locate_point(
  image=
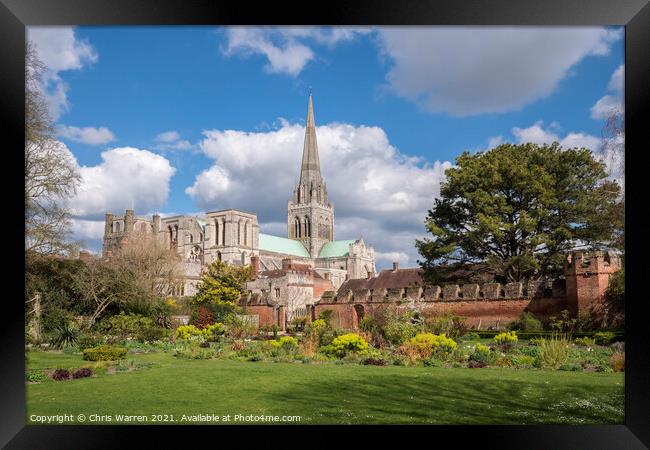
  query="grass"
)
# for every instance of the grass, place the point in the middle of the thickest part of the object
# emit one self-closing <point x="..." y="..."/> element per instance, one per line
<point x="329" y="393"/>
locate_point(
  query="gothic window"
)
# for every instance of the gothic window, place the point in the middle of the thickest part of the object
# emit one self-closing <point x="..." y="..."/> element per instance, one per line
<point x="216" y="231"/>
<point x="239" y="232"/>
<point x="243" y="258"/>
<point x="298" y="194"/>
<point x="307" y="227"/>
<point x="191" y="238"/>
<point x="277" y="292"/>
<point x="246" y="232"/>
<point x="296" y="225"/>
<point x="223" y="232"/>
<point x="117" y="227"/>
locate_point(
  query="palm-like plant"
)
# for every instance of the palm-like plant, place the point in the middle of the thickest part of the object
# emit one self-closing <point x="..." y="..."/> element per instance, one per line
<point x="65" y="335"/>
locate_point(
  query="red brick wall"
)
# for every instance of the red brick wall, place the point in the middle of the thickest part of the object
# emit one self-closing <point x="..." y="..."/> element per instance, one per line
<point x="482" y="312"/>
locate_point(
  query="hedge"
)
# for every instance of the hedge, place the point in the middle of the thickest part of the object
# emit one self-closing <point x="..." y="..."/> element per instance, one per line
<point x="104" y="353"/>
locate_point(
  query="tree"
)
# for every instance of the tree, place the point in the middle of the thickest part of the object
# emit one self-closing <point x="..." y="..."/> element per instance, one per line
<point x="615" y="299"/>
<point x="51" y="174"/>
<point x="105" y="285"/>
<point x="222" y="284"/>
<point x="154" y="265"/>
<point x="519" y="209"/>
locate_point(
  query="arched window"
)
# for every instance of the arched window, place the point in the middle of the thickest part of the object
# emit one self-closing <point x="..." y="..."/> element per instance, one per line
<point x="307" y="227"/>
<point x="219" y="256"/>
<point x="239" y="232"/>
<point x="216" y="232"/>
<point x="117" y="227"/>
<point x="223" y="232"/>
<point x="243" y="259"/>
<point x="171" y="237"/>
<point x="296" y="226"/>
<point x="246" y="225"/>
<point x="191" y="238"/>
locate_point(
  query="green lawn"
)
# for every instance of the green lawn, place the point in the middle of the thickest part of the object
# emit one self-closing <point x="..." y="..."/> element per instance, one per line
<point x="329" y="393"/>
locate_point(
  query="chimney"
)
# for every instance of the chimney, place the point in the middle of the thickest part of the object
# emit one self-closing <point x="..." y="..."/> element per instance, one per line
<point x="255" y="263"/>
<point x="395" y="266"/>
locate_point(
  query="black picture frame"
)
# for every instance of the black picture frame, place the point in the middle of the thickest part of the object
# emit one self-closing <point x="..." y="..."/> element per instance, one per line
<point x="15" y="15"/>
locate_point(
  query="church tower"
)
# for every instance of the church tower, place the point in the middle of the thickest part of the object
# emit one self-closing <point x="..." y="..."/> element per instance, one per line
<point x="310" y="216"/>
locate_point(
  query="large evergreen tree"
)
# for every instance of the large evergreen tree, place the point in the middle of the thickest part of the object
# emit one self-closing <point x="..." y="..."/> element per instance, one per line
<point x="520" y="208"/>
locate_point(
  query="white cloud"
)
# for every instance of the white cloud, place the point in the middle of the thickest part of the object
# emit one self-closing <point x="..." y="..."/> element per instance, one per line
<point x="617" y="82"/>
<point x="86" y="135"/>
<point x="59" y="50"/>
<point x="127" y="177"/>
<point x="286" y="49"/>
<point x="537" y="134"/>
<point x="466" y="71"/>
<point x="377" y="191"/>
<point x="168" y="136"/>
<point x="611" y="104"/>
<point x="171" y="140"/>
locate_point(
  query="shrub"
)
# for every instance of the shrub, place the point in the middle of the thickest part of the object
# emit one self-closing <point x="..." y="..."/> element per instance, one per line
<point x="36" y="376"/>
<point x="104" y="353"/>
<point x="585" y="341"/>
<point x="209" y="333"/>
<point x="266" y="329"/>
<point x="471" y="336"/>
<point x="604" y="337"/>
<point x="239" y="328"/>
<point x="523" y="361"/>
<point x="298" y="324"/>
<point x="481" y="354"/>
<point x="399" y="328"/>
<point x="326" y="315"/>
<point x="506" y="340"/>
<point x="82" y="373"/>
<point x="287" y="343"/>
<point x="203" y="317"/>
<point x="347" y="343"/>
<point x="553" y="353"/>
<point x="238" y="346"/>
<point x="618" y="361"/>
<point x="503" y="361"/>
<point x="204" y="345"/>
<point x="476" y="364"/>
<point x="526" y="322"/>
<point x="89" y="340"/>
<point x="65" y="335"/>
<point x="61" y="374"/>
<point x="450" y="325"/>
<point x="374" y="362"/>
<point x="428" y="345"/>
<point x="570" y="368"/>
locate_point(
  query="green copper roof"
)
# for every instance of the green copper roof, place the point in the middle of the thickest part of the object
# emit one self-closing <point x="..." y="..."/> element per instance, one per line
<point x="282" y="245"/>
<point x="335" y="248"/>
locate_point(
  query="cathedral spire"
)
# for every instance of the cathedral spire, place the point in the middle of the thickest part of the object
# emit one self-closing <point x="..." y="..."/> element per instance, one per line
<point x="310" y="169"/>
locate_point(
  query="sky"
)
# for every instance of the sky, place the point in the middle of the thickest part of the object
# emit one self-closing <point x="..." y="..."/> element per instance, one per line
<point x="182" y="120"/>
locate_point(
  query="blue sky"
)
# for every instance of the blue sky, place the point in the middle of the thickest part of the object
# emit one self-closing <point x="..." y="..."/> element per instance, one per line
<point x="189" y="119"/>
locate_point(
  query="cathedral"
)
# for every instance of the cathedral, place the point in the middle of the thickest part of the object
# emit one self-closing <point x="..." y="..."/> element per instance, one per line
<point x="233" y="236"/>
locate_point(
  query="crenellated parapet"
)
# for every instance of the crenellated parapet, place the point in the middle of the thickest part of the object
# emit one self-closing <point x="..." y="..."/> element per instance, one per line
<point x="450" y="293"/>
